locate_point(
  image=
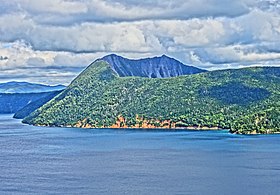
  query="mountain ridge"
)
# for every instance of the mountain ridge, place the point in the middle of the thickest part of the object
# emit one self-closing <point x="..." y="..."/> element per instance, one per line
<point x="154" y="67"/>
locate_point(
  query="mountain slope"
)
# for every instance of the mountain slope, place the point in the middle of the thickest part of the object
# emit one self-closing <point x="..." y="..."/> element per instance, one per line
<point x="157" y="67"/>
<point x="24" y="87"/>
<point x="33" y="105"/>
<point x="98" y="97"/>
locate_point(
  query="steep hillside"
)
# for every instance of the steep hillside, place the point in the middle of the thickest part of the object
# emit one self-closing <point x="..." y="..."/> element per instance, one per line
<point x="33" y="105"/>
<point x="157" y="67"/>
<point x="244" y="101"/>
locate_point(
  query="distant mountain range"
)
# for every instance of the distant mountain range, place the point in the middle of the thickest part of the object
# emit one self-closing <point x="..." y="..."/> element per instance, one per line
<point x="32" y="104"/>
<point x="13" y="102"/>
<point x="16" y="95"/>
<point x="157" y="67"/>
<point x="114" y="92"/>
<point x="24" y="87"/>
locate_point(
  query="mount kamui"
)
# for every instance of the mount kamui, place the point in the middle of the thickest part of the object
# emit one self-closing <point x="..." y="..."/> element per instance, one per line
<point x="156" y="67"/>
<point x="115" y="95"/>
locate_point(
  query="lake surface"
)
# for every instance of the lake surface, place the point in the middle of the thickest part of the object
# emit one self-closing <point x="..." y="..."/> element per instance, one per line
<point x="40" y="160"/>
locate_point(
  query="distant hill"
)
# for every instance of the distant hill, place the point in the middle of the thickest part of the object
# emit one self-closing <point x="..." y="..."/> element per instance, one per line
<point x="16" y="95"/>
<point x="24" y="87"/>
<point x="11" y="103"/>
<point x="33" y="105"/>
<point x="157" y="67"/>
<point x="244" y="100"/>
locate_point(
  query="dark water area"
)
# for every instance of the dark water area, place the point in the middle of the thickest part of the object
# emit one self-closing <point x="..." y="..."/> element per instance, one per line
<point x="40" y="160"/>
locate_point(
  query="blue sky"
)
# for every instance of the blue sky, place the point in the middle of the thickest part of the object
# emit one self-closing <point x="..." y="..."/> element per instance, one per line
<point x="51" y="41"/>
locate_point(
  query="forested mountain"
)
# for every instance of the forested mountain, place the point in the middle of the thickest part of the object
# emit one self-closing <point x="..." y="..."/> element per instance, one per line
<point x="25" y="87"/>
<point x="157" y="67"/>
<point x="244" y="101"/>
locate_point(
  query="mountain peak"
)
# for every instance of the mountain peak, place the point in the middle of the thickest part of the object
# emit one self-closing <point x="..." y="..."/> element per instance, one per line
<point x="156" y="67"/>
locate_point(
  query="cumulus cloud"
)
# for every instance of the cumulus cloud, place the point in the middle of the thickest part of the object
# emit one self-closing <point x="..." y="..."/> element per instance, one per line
<point x="35" y="61"/>
<point x="68" y="12"/>
<point x="58" y="38"/>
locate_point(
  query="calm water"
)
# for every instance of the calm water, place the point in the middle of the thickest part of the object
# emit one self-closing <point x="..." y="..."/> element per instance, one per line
<point x="37" y="160"/>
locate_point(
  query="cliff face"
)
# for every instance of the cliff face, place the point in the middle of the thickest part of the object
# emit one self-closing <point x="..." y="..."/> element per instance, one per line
<point x="157" y="67"/>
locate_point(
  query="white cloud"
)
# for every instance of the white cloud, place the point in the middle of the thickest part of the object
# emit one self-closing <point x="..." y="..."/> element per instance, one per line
<point x="75" y="11"/>
<point x="62" y="7"/>
<point x="61" y="37"/>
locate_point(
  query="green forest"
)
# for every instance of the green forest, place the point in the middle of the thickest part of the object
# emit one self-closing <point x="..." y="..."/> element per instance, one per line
<point x="241" y="100"/>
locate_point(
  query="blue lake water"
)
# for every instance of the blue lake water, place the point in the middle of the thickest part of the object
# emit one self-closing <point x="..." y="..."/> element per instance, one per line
<point x="40" y="160"/>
